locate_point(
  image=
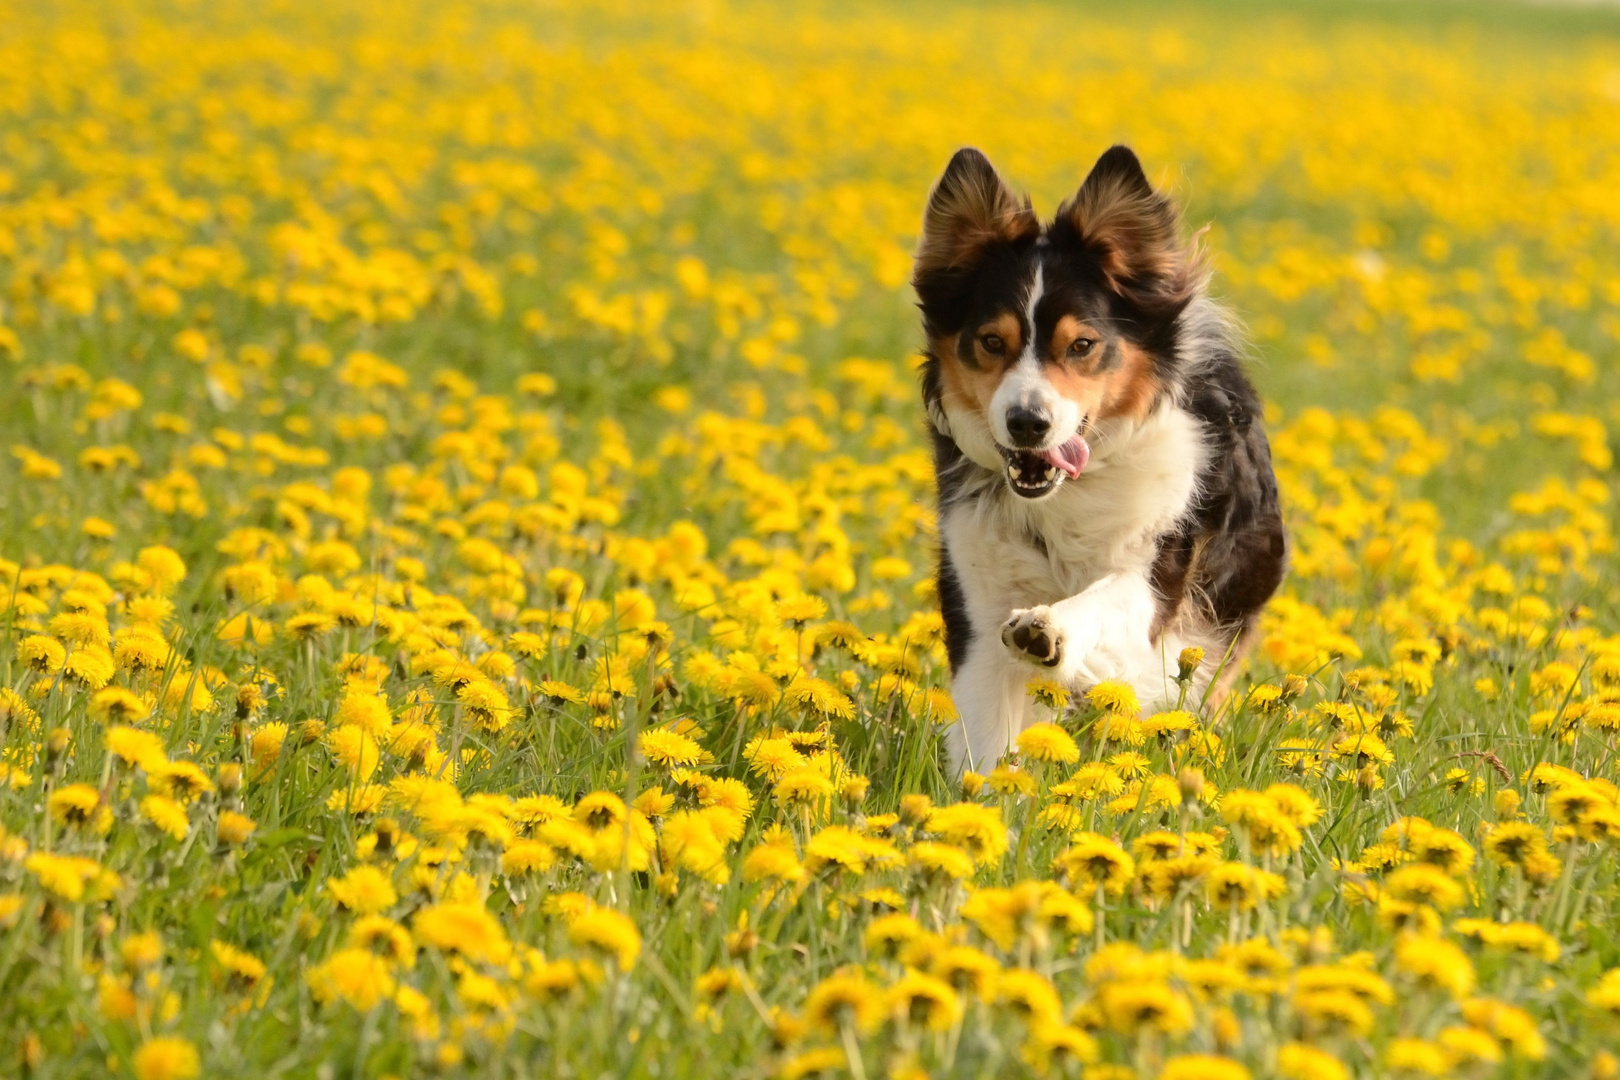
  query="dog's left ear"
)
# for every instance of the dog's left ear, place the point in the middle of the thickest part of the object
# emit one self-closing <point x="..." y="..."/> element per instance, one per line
<point x="1134" y="233"/>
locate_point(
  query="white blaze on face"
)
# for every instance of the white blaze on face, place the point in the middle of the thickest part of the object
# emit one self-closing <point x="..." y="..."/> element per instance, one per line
<point x="1025" y="385"/>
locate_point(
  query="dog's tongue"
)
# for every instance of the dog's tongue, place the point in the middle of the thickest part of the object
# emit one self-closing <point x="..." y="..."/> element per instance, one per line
<point x="1071" y="457"/>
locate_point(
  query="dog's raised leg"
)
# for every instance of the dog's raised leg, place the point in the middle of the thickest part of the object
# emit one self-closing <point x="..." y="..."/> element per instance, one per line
<point x="1098" y="635"/>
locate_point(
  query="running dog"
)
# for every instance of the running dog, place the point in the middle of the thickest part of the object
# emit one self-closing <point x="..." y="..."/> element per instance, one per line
<point x="1106" y="496"/>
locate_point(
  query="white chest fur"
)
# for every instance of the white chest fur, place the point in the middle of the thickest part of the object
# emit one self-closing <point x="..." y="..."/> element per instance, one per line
<point x="1077" y="563"/>
<point x="1012" y="553"/>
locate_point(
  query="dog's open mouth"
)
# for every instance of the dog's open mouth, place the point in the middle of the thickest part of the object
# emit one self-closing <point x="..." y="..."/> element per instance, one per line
<point x="1033" y="473"/>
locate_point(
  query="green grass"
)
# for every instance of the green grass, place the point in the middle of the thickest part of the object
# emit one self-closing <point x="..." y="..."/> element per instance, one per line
<point x="1385" y="184"/>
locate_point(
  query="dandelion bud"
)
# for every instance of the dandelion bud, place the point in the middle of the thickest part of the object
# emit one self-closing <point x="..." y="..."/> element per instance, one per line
<point x="786" y="1029"/>
<point x="230" y="779"/>
<point x="1314" y="945"/>
<point x="53" y="919"/>
<point x="853" y="791"/>
<point x="1187" y="663"/>
<point x="1367" y="779"/>
<point x="1507" y="803"/>
<point x="387" y="830"/>
<point x="1293" y="686"/>
<point x="311" y="732"/>
<point x="249" y="699"/>
<point x="56" y="745"/>
<point x="104" y="926"/>
<point x="972" y="784"/>
<point x="419" y="754"/>
<point x="740" y="943"/>
<point x="1191" y="783"/>
<point x="33" y="1051"/>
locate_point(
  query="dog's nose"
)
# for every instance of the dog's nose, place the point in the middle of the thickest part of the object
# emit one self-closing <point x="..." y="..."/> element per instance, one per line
<point x="1028" y="427"/>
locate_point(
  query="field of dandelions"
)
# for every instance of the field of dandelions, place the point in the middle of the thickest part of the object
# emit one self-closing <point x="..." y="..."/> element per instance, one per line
<point x="466" y="548"/>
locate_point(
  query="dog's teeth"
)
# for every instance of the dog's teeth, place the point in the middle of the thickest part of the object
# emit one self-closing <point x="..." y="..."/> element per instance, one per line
<point x="1051" y="472"/>
<point x="1015" y="471"/>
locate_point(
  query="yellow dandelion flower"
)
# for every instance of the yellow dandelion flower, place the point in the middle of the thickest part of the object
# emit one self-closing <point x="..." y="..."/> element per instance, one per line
<point x="167" y="815"/>
<point x="67" y="876"/>
<point x="1203" y="1067"/>
<point x="463" y="927"/>
<point x="1060" y="1046"/>
<point x="1405" y="1054"/>
<point x="611" y="932"/>
<point x="1114" y="697"/>
<point x="182" y="781"/>
<point x="1046" y="742"/>
<point x="667" y="748"/>
<point x="364" y="890"/>
<point x="166" y="1057"/>
<point x="1149" y="1004"/>
<point x="1436" y="963"/>
<point x="844" y="998"/>
<point x="356" y="975"/>
<point x="235" y="828"/>
<point x="976" y="829"/>
<point x="939" y="861"/>
<point x="924" y="1001"/>
<point x="1299" y="1061"/>
<point x="1093" y="861"/>
<point x="242" y="970"/>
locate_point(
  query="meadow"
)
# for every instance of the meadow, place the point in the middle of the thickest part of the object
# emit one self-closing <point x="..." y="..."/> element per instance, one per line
<point x="466" y="550"/>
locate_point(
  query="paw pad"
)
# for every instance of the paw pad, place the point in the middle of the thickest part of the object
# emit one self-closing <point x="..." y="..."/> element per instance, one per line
<point x="1030" y="635"/>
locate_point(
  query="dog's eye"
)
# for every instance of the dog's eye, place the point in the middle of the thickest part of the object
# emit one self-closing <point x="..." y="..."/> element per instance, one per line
<point x="1081" y="346"/>
<point x="993" y="344"/>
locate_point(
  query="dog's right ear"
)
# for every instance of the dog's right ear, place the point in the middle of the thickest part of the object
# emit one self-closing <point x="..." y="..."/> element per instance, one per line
<point x="971" y="207"/>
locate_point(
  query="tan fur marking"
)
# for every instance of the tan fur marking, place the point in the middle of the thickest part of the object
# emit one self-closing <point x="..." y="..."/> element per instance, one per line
<point x="1137" y="385"/>
<point x="1128" y="390"/>
<point x="963" y="387"/>
<point x="1007" y="327"/>
<point x="1069" y="328"/>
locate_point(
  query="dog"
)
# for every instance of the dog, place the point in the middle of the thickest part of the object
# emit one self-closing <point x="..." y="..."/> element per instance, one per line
<point x="1105" y="490"/>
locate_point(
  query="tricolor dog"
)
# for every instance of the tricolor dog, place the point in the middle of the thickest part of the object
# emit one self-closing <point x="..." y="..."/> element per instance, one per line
<point x="1106" y="496"/>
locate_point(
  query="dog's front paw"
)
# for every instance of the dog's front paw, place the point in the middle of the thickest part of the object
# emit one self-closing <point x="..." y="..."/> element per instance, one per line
<point x="1032" y="635"/>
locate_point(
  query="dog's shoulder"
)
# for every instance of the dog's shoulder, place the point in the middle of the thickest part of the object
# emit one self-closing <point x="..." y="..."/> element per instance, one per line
<point x="1237" y="487"/>
<point x="1231" y="547"/>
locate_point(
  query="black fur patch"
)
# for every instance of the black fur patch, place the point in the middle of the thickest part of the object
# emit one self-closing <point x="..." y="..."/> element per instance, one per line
<point x="953" y="607"/>
<point x="963" y="299"/>
<point x="951" y="466"/>
<point x="1110" y="358"/>
<point x="1230" y="553"/>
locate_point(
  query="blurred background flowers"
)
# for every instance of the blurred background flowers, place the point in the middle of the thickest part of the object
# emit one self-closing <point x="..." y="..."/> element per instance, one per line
<point x="466" y="549"/>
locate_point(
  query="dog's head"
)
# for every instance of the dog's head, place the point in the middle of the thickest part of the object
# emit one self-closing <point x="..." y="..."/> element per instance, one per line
<point x="1039" y="333"/>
